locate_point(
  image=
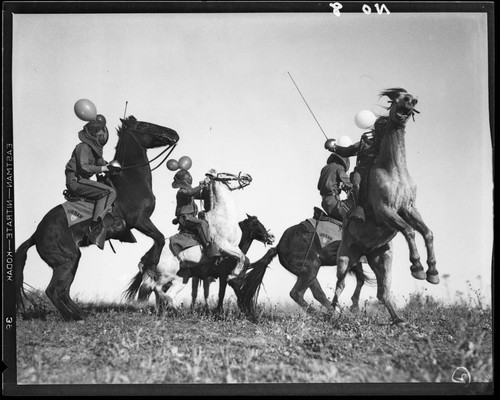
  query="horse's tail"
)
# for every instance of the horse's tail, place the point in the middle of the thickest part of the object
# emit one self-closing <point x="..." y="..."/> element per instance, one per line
<point x="147" y="286"/>
<point x="251" y="282"/>
<point x="140" y="286"/>
<point x="357" y="270"/>
<point x="19" y="262"/>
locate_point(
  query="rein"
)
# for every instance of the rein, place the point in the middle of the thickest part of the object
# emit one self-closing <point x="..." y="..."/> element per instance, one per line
<point x="171" y="147"/>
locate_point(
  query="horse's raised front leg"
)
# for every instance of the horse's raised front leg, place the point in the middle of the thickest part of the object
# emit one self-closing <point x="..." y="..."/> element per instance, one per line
<point x="380" y="261"/>
<point x="415" y="220"/>
<point x="152" y="256"/>
<point x="388" y="216"/>
<point x="237" y="254"/>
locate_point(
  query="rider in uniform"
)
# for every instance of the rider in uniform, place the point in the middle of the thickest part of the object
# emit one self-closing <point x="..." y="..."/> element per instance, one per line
<point x="332" y="180"/>
<point x="366" y="151"/>
<point x="87" y="160"/>
<point x="186" y="210"/>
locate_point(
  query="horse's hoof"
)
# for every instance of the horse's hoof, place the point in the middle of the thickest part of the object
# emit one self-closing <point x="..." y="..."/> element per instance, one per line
<point x="434" y="279"/>
<point x="397" y="321"/>
<point x="420" y="274"/>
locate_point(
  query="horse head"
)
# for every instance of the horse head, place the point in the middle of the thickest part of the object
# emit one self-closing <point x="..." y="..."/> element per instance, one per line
<point x="148" y="135"/>
<point x="231" y="181"/>
<point x="257" y="230"/>
<point x="402" y="105"/>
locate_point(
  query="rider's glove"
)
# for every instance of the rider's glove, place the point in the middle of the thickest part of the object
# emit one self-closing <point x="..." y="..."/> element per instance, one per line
<point x="114" y="166"/>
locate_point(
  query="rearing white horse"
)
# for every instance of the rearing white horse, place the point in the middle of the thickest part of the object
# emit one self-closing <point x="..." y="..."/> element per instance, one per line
<point x="169" y="278"/>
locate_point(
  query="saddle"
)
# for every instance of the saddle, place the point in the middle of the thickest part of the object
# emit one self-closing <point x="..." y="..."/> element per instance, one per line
<point x="79" y="209"/>
<point x="320" y="215"/>
<point x="73" y="197"/>
<point x="327" y="230"/>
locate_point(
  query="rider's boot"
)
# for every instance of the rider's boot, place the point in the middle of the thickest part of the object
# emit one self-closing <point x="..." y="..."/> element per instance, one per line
<point x="210" y="249"/>
<point x="97" y="233"/>
<point x="358" y="212"/>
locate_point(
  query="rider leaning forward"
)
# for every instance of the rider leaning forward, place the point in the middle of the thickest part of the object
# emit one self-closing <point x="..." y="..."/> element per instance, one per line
<point x="366" y="151"/>
<point x="87" y="160"/>
<point x="332" y="180"/>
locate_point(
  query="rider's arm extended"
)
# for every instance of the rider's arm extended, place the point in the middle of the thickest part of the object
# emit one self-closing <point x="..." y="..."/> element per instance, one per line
<point x="348" y="151"/>
<point x="196" y="192"/>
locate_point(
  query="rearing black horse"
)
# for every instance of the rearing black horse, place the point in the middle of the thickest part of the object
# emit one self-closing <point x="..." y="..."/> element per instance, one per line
<point x="59" y="245"/>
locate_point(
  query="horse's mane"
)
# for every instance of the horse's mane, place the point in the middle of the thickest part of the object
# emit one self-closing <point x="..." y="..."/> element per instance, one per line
<point x="392" y="93"/>
<point x="123" y="126"/>
<point x="222" y="216"/>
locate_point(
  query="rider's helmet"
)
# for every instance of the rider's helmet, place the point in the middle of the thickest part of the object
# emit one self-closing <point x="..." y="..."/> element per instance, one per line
<point x="181" y="178"/>
<point x="97" y="129"/>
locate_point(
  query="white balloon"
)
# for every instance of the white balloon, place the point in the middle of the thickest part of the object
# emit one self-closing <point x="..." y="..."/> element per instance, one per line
<point x="344" y="141"/>
<point x="365" y="119"/>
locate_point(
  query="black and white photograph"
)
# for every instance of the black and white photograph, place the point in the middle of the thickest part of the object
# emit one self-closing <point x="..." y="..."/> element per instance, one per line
<point x="248" y="198"/>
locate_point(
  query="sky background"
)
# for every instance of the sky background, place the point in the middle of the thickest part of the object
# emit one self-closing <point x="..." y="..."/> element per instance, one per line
<point x="220" y="80"/>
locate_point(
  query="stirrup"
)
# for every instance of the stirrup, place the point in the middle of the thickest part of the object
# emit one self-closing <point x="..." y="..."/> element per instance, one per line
<point x="97" y="235"/>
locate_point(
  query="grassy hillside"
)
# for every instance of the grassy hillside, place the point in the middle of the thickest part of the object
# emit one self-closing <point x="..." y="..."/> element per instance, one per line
<point x="129" y="345"/>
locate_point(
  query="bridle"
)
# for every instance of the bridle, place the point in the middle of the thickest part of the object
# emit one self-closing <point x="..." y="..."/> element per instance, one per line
<point x="243" y="179"/>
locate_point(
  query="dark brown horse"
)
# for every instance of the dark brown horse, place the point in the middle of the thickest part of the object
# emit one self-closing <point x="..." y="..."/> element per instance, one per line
<point x="59" y="245"/>
<point x="389" y="206"/>
<point x="301" y="253"/>
<point x="251" y="229"/>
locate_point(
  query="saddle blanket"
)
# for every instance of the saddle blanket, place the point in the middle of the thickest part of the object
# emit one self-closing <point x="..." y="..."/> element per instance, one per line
<point x="77" y="211"/>
<point x="326" y="231"/>
<point x="182" y="241"/>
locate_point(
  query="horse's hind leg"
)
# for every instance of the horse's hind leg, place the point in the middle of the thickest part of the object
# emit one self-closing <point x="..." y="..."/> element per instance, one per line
<point x="306" y="278"/>
<point x="360" y="281"/>
<point x="59" y="287"/>
<point x="206" y="289"/>
<point x="343" y="260"/>
<point x="320" y="295"/>
<point x="342" y="265"/>
<point x="416" y="221"/>
<point x="381" y="263"/>
<point x="222" y="292"/>
<point x="194" y="290"/>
